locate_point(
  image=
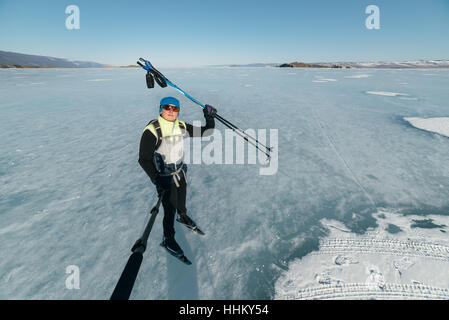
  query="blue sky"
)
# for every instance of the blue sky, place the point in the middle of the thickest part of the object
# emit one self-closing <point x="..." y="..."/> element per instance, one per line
<point x="195" y="33"/>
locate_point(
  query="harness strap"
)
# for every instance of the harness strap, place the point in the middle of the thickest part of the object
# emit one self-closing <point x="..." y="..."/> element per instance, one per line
<point x="182" y="125"/>
<point x="158" y="129"/>
<point x="176" y="177"/>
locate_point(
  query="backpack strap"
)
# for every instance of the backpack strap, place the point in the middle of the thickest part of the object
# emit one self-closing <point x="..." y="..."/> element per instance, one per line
<point x="157" y="128"/>
<point x="182" y="125"/>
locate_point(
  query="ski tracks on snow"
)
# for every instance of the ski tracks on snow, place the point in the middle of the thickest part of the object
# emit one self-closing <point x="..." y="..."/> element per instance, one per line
<point x="370" y="291"/>
<point x="379" y="289"/>
<point x="384" y="246"/>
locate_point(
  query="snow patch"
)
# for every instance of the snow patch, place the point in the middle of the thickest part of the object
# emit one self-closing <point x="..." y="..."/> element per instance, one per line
<point x="386" y="93"/>
<point x="321" y="79"/>
<point x="99" y="80"/>
<point x="358" y="76"/>
<point x="411" y="264"/>
<point x="437" y="125"/>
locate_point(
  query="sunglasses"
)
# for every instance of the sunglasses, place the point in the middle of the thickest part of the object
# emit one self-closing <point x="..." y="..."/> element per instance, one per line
<point x="168" y="107"/>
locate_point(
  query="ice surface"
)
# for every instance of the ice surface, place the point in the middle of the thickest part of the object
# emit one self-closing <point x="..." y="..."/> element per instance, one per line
<point x="72" y="192"/>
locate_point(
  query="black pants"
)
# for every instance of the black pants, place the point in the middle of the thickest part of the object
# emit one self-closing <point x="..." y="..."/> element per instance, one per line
<point x="174" y="200"/>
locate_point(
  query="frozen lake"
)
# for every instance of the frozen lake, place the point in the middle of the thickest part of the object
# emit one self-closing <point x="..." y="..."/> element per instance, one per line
<point x="72" y="192"/>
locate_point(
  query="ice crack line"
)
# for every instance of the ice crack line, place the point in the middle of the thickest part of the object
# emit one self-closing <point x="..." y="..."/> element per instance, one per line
<point x="348" y="168"/>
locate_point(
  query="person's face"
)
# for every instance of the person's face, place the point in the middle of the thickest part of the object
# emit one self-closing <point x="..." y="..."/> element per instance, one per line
<point x="169" y="115"/>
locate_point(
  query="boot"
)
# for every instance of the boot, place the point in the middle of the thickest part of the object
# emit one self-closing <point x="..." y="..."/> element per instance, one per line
<point x="170" y="244"/>
<point x="185" y="219"/>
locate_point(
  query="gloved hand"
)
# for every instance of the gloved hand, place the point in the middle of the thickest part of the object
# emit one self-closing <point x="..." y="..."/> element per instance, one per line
<point x="209" y="111"/>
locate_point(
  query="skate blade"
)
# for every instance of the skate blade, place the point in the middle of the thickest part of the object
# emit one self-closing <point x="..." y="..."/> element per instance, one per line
<point x="181" y="257"/>
<point x="194" y="229"/>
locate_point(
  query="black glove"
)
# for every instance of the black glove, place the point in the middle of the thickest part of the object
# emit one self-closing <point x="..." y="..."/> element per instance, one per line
<point x="209" y="112"/>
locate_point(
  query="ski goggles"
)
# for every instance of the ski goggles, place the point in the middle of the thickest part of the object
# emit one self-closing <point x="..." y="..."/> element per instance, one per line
<point x="170" y="107"/>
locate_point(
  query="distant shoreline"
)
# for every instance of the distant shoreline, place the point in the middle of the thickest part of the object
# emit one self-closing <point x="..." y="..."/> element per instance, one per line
<point x="309" y="65"/>
<point x="295" y="64"/>
<point x="285" y="65"/>
<point x="419" y="64"/>
<point x="15" y="60"/>
<point x="17" y="66"/>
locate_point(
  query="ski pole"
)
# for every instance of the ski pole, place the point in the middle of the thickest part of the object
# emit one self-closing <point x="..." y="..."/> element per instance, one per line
<point x="150" y="68"/>
<point x="125" y="284"/>
<point x="223" y="120"/>
<point x="250" y="142"/>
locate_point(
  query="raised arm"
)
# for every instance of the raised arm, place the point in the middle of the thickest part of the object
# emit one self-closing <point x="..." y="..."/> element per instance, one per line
<point x="209" y="113"/>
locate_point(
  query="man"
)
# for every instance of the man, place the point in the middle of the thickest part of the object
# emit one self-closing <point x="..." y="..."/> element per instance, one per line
<point x="161" y="156"/>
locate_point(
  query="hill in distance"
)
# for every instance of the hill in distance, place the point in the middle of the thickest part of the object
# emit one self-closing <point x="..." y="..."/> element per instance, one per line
<point x="20" y="60"/>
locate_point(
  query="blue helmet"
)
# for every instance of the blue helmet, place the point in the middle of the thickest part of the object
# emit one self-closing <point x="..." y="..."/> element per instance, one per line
<point x="169" y="100"/>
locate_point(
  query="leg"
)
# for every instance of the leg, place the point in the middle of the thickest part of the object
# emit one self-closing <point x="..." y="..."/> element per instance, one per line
<point x="181" y="205"/>
<point x="181" y="197"/>
<point x="169" y="241"/>
<point x="169" y="214"/>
